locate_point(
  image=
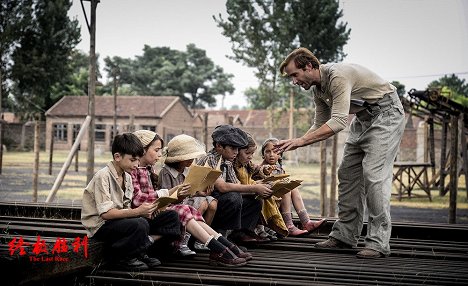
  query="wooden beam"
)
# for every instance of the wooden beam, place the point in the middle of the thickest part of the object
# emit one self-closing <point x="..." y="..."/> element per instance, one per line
<point x="453" y="184"/>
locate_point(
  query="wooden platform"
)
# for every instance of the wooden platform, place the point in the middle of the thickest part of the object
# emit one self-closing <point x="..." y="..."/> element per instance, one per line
<point x="424" y="254"/>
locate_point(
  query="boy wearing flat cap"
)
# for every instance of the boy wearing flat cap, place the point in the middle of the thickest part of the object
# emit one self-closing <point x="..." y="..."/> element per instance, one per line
<point x="238" y="210"/>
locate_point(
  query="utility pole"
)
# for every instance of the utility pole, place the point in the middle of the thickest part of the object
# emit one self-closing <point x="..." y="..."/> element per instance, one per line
<point x="91" y="90"/>
<point x="115" y="74"/>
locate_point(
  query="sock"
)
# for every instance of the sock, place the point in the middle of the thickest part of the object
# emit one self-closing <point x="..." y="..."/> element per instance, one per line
<point x="229" y="245"/>
<point x="217" y="247"/>
<point x="186" y="238"/>
<point x="303" y="216"/>
<point x="287" y="217"/>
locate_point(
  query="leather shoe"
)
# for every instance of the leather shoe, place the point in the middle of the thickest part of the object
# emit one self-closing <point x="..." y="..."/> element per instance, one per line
<point x="367" y="253"/>
<point x="184" y="251"/>
<point x="332" y="243"/>
<point x="314" y="225"/>
<point x="150" y="261"/>
<point x="229" y="260"/>
<point x="294" y="231"/>
<point x="241" y="254"/>
<point x="132" y="264"/>
<point x="241" y="237"/>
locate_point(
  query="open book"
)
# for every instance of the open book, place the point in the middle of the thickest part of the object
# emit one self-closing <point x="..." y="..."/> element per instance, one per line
<point x="200" y="178"/>
<point x="273" y="178"/>
<point x="165" y="201"/>
<point x="285" y="186"/>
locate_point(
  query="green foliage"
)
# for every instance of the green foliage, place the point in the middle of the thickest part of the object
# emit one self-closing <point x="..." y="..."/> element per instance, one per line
<point x="262" y="33"/>
<point x="14" y="18"/>
<point x="163" y="71"/>
<point x="39" y="61"/>
<point x="453" y="88"/>
<point x="400" y="87"/>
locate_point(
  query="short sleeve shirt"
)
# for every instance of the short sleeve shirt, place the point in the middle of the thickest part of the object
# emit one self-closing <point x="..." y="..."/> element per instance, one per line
<point x="102" y="194"/>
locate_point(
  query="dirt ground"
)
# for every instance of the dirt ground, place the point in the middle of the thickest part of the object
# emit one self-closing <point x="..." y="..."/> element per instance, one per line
<point x="14" y="182"/>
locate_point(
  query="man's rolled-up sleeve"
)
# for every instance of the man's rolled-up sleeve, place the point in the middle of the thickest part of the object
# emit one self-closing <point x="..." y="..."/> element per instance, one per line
<point x="340" y="89"/>
<point x="102" y="196"/>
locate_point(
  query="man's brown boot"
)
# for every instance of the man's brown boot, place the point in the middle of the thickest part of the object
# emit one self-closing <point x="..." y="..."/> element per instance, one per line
<point x="369" y="254"/>
<point x="332" y="243"/>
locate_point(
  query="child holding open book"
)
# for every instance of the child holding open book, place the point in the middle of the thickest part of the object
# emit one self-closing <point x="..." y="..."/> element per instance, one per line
<point x="222" y="251"/>
<point x="179" y="156"/>
<point x="271" y="165"/>
<point x="270" y="214"/>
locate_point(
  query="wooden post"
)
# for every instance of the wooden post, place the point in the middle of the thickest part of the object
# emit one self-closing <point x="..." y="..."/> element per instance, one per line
<point x="91" y="92"/>
<point x="464" y="151"/>
<point x="205" y="130"/>
<point x="36" y="157"/>
<point x="76" y="160"/>
<point x="323" y="178"/>
<point x="115" y="73"/>
<point x="1" y="125"/>
<point x="51" y="150"/>
<point x="333" y="177"/>
<point x="291" y="121"/>
<point x="443" y="157"/>
<point x="66" y="164"/>
<point x="431" y="146"/>
<point x="453" y="184"/>
<point x="426" y="140"/>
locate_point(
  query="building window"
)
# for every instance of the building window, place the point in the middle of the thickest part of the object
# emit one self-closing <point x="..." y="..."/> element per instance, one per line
<point x="60" y="132"/>
<point x="100" y="133"/>
<point x="76" y="130"/>
<point x="149" y="127"/>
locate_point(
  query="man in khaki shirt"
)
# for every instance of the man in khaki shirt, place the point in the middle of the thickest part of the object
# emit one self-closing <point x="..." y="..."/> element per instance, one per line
<point x="365" y="173"/>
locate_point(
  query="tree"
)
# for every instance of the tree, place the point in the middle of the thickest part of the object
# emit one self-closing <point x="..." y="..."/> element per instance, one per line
<point x="14" y="18"/>
<point x="262" y="33"/>
<point x="40" y="60"/>
<point x="400" y="87"/>
<point x="190" y="75"/>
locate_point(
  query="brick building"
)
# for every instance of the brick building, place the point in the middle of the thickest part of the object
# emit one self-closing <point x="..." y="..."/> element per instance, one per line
<point x="166" y="115"/>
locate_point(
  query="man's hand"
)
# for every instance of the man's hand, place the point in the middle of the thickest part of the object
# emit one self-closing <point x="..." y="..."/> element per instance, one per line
<point x="288" y="145"/>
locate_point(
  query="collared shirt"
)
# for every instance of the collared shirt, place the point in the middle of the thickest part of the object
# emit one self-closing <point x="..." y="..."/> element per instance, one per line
<point x="102" y="194"/>
<point x="143" y="190"/>
<point x="212" y="158"/>
<point x="341" y="82"/>
<point x="170" y="177"/>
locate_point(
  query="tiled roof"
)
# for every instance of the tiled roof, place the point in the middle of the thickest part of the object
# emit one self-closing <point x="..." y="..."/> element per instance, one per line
<point x="151" y="106"/>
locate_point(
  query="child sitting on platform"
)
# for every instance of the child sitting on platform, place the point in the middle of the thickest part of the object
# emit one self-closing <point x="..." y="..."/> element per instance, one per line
<point x="271" y="165"/>
<point x="222" y="251"/>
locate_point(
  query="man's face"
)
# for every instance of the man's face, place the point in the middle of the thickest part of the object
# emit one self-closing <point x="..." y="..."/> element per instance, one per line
<point x="229" y="153"/>
<point x="301" y="77"/>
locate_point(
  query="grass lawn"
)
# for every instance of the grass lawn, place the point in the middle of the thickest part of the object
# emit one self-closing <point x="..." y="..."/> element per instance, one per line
<point x="18" y="167"/>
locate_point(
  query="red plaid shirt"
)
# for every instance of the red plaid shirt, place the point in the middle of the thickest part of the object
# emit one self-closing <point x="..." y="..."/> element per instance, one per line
<point x="143" y="190"/>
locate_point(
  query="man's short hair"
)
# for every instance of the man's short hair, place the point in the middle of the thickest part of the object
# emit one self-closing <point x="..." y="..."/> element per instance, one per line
<point x="301" y="57"/>
<point x="127" y="143"/>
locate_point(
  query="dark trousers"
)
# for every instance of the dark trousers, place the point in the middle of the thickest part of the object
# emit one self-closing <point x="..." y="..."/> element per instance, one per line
<point x="236" y="211"/>
<point x="166" y="224"/>
<point x="124" y="238"/>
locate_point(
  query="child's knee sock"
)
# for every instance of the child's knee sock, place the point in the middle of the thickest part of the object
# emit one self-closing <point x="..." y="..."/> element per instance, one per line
<point x="303" y="216"/>
<point x="287" y="217"/>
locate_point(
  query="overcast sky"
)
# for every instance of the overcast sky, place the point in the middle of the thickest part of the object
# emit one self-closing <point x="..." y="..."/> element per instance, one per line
<point x="412" y="41"/>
